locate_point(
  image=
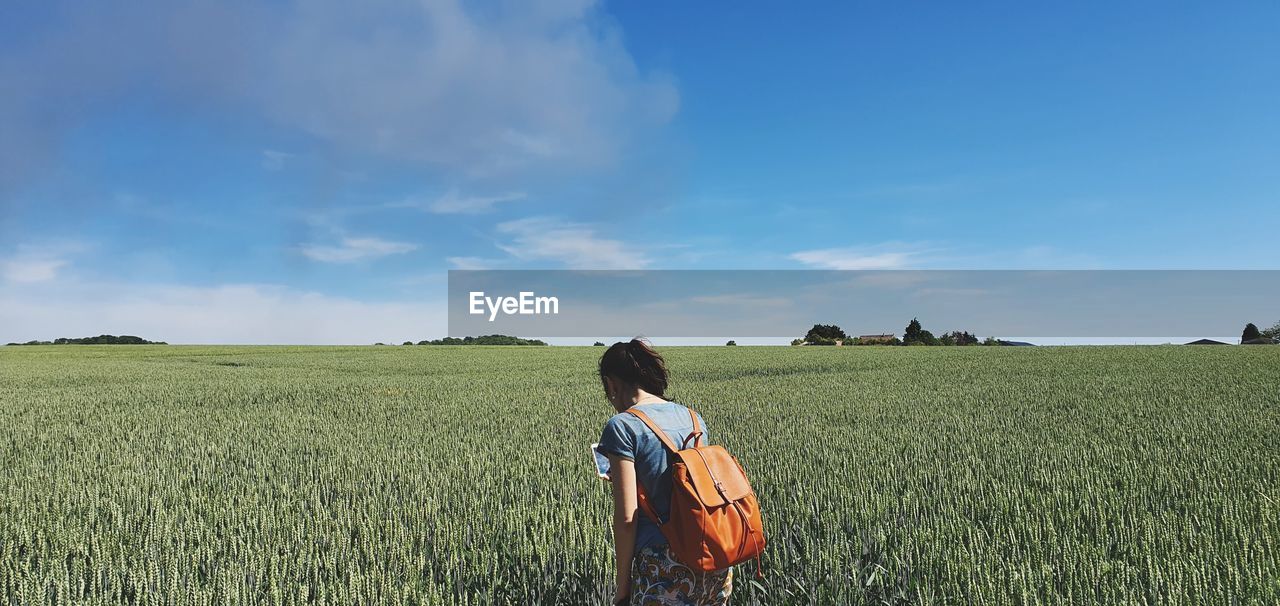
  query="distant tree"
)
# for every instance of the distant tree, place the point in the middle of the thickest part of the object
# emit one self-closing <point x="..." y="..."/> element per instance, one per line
<point x="824" y="334"/>
<point x="956" y="337"/>
<point x="861" y="341"/>
<point x="407" y="343"/>
<point x="917" y="335"/>
<point x="1250" y="333"/>
<point x="503" y="340"/>
<point x="484" y="340"/>
<point x="991" y="342"/>
<point x="731" y="342"/>
<point x="1273" y="333"/>
<point x="98" y="340"/>
<point x="597" y="344"/>
<point x="795" y="342"/>
<point x="913" y="331"/>
<point x="379" y="343"/>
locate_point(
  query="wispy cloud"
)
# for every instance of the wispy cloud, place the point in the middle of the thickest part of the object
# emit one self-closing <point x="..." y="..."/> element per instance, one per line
<point x="43" y="262"/>
<point x="275" y="160"/>
<point x="909" y="190"/>
<point x="868" y="257"/>
<point x="442" y="84"/>
<point x="454" y="203"/>
<point x="31" y="270"/>
<point x="742" y="300"/>
<point x="471" y="262"/>
<point x="355" y="249"/>
<point x="574" y="244"/>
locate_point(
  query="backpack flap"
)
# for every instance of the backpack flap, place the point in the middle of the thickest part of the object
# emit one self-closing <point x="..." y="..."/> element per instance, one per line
<point x="715" y="475"/>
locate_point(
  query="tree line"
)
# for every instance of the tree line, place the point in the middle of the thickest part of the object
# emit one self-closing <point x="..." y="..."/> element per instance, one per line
<point x="98" y="340"/>
<point x="481" y="340"/>
<point x="914" y="334"/>
<point x="1253" y="336"/>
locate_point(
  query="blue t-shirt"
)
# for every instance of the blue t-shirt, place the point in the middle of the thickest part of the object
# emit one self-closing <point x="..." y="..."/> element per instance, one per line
<point x="628" y="437"/>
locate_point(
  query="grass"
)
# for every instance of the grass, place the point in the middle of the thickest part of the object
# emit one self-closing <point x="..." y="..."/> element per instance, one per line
<point x="447" y="475"/>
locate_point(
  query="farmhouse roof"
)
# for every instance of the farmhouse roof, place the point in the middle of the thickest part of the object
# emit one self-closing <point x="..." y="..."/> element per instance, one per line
<point x="1206" y="342"/>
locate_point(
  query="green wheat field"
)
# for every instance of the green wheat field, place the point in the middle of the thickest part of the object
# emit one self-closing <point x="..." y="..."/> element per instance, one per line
<point x="461" y="475"/>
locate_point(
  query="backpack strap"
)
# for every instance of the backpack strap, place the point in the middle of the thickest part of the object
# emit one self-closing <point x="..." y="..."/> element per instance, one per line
<point x="662" y="435"/>
<point x="642" y="499"/>
<point x="695" y="435"/>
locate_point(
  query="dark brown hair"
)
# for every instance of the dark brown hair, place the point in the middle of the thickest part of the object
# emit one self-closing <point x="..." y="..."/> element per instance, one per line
<point x="635" y="362"/>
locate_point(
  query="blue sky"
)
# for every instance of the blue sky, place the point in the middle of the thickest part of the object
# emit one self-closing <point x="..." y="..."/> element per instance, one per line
<point x="308" y="172"/>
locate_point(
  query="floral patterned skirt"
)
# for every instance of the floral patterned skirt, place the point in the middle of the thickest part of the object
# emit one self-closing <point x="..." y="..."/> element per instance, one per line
<point x="657" y="579"/>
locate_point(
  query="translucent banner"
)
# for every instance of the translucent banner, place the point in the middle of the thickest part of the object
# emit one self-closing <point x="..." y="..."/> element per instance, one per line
<point x="785" y="303"/>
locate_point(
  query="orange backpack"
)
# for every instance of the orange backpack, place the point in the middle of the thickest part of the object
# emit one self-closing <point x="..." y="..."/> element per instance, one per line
<point x="714" y="520"/>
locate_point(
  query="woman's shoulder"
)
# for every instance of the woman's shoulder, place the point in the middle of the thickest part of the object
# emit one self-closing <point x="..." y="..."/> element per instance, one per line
<point x="622" y="420"/>
<point x="619" y="419"/>
<point x="655" y="411"/>
<point x="668" y="414"/>
<point x="668" y="406"/>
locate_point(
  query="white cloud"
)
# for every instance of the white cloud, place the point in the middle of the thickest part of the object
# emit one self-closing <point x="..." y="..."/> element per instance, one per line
<point x="40" y="260"/>
<point x="31" y="270"/>
<point x="355" y="249"/>
<point x="454" y="203"/>
<point x="231" y="313"/>
<point x="574" y="244"/>
<point x="275" y="160"/>
<point x="493" y="91"/>
<point x="857" y="258"/>
<point x="742" y="300"/>
<point x="471" y="262"/>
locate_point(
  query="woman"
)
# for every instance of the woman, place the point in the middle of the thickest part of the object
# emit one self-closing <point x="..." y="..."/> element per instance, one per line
<point x="633" y="374"/>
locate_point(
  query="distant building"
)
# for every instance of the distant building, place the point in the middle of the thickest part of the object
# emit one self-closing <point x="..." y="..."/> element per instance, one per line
<point x="1015" y="343"/>
<point x="1206" y="342"/>
<point x="876" y="338"/>
<point x="1261" y="341"/>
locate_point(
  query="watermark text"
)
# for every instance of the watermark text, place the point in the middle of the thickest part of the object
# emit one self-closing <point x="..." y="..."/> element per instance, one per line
<point x="527" y="303"/>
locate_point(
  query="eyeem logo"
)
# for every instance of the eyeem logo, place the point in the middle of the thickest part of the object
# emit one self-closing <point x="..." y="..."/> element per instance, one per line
<point x="527" y="304"/>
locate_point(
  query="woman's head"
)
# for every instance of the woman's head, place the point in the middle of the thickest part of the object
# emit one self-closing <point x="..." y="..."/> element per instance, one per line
<point x="627" y="367"/>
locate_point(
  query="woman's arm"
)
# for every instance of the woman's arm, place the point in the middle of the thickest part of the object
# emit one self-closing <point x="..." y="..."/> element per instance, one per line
<point x="622" y="472"/>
